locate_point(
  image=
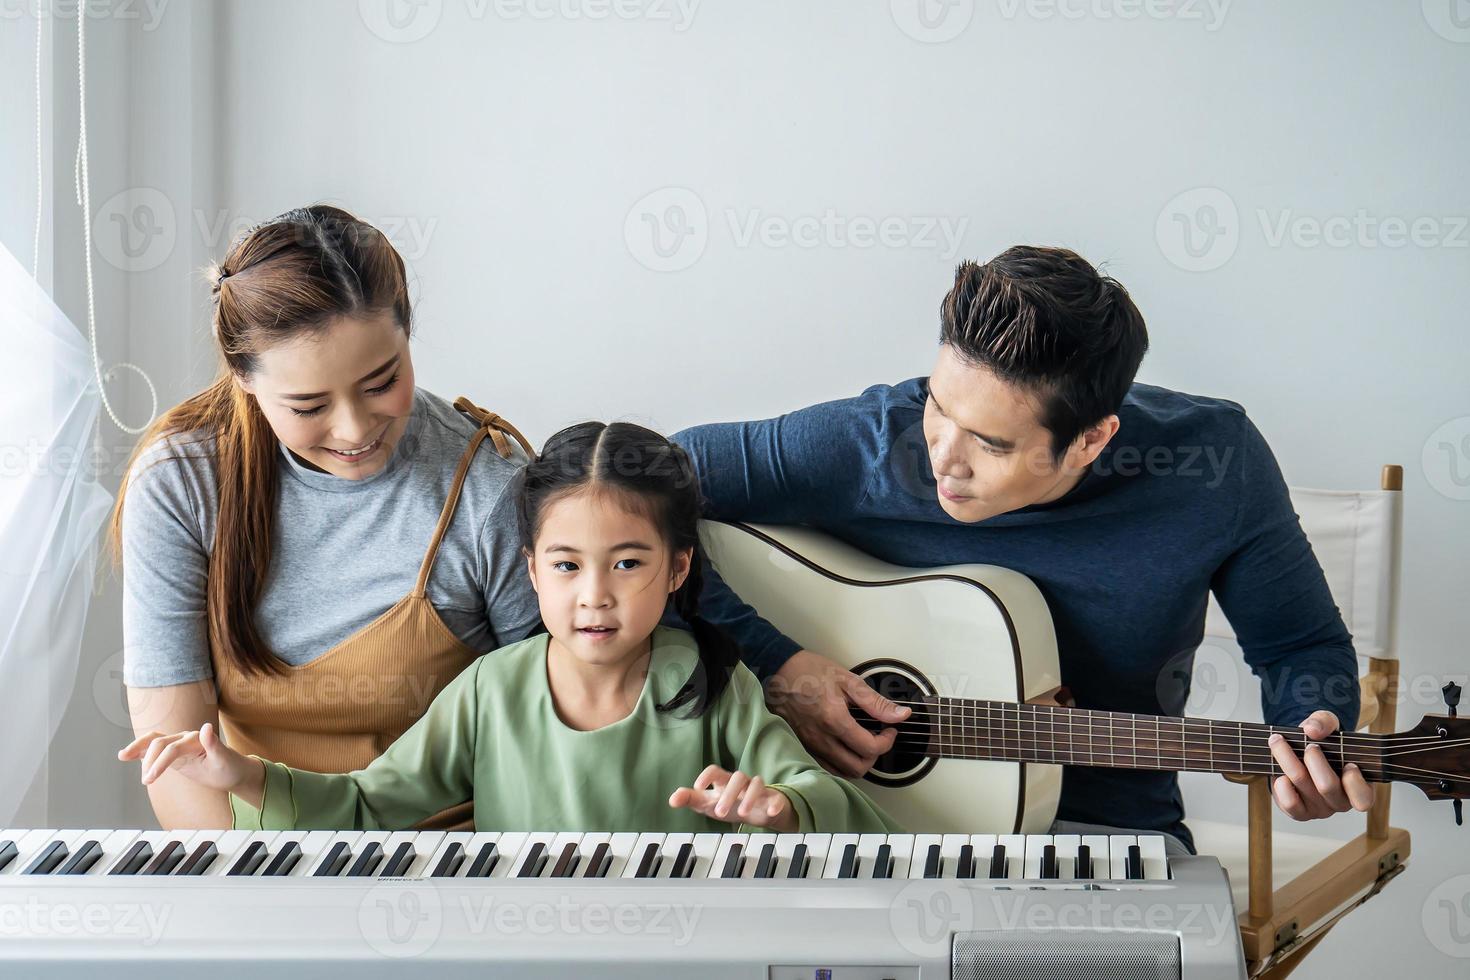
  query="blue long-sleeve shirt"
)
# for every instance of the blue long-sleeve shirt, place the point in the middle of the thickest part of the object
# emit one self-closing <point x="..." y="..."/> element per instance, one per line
<point x="1186" y="498"/>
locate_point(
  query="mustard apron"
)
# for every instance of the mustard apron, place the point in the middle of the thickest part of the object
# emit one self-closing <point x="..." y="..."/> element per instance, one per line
<point x="340" y="711"/>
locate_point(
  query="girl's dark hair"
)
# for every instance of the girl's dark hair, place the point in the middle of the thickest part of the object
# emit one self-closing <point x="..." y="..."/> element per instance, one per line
<point x="282" y="280"/>
<point x="652" y="477"/>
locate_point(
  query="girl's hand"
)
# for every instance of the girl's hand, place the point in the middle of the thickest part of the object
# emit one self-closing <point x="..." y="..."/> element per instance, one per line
<point x="738" y="798"/>
<point x="198" y="755"/>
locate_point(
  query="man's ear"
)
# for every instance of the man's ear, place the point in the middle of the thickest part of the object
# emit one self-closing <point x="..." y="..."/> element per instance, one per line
<point x="1090" y="444"/>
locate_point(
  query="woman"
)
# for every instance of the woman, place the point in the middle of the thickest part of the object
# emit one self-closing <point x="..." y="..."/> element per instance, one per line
<point x="312" y="547"/>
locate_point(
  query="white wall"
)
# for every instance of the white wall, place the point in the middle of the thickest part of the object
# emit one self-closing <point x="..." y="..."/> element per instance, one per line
<point x="512" y="157"/>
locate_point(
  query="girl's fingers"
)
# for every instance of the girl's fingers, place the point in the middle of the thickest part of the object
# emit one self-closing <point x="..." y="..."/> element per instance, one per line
<point x="752" y="799"/>
<point x="166" y="756"/>
<point x="731" y="794"/>
<point x="154" y="748"/>
<point x="711" y="777"/>
<point x="134" y="748"/>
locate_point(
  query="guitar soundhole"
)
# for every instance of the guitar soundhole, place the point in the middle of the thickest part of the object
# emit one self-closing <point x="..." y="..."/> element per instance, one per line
<point x="908" y="761"/>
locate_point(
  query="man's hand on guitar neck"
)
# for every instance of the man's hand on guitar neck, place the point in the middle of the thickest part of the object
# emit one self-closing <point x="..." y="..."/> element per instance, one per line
<point x="815" y="695"/>
<point x="1308" y="788"/>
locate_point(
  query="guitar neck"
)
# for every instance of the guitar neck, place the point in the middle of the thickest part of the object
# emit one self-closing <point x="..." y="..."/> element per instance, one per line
<point x="962" y="728"/>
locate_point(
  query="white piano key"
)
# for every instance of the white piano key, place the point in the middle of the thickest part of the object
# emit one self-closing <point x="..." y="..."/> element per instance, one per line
<point x="921" y="845"/>
<point x="587" y="847"/>
<point x="1034" y="844"/>
<point x="37" y="845"/>
<point x="1118" y="852"/>
<point x="1155" y="857"/>
<point x="949" y="854"/>
<point x="1015" y="845"/>
<point x="902" y="846"/>
<point x="754" y="844"/>
<point x="114" y="844"/>
<point x="312" y="844"/>
<point x="817" y="846"/>
<point x="228" y="844"/>
<point x="424" y="842"/>
<point x="835" y="850"/>
<point x="620" y="849"/>
<point x="630" y="869"/>
<point x="984" y="847"/>
<point x="785" y="847"/>
<point x="706" y="846"/>
<point x="558" y="845"/>
<point x="1067" y="845"/>
<point x="867" y="853"/>
<point x="671" y="846"/>
<point x="348" y="837"/>
<point x="1101" y="853"/>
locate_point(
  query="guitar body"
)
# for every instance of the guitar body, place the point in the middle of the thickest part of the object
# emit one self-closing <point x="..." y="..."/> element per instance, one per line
<point x="963" y="631"/>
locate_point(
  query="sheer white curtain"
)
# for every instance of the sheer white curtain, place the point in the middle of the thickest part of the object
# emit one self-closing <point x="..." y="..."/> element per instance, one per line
<point x="51" y="512"/>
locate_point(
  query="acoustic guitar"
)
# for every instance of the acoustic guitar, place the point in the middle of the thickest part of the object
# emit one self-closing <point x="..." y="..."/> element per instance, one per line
<point x="967" y="647"/>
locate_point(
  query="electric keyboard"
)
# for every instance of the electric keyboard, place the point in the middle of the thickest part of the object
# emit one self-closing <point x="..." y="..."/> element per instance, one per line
<point x="160" y="903"/>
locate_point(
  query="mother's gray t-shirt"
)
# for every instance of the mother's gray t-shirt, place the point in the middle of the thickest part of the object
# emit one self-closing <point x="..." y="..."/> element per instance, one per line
<point x="343" y="551"/>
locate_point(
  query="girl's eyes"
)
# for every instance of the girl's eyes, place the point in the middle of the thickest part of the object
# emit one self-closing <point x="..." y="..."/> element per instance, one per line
<point x="379" y="390"/>
<point x="557" y="565"/>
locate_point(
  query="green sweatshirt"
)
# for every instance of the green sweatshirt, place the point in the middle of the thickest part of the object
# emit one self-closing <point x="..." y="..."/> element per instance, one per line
<point x="493" y="735"/>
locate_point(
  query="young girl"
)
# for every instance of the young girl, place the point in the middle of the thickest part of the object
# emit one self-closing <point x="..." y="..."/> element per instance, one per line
<point x="609" y="721"/>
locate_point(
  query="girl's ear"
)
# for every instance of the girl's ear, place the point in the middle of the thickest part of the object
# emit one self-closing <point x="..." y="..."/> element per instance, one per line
<point x="682" y="562"/>
<point x="531" y="569"/>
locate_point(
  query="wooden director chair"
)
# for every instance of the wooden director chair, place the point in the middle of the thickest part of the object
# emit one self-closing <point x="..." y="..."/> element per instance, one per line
<point x="1291" y="888"/>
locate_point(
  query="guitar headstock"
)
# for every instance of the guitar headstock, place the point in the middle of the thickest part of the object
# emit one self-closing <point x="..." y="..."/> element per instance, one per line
<point x="1435" y="754"/>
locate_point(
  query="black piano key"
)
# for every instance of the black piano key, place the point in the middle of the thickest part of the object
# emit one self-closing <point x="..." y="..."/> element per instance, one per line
<point x="683" y="861"/>
<point x="367" y="862"/>
<point x="199" y="862"/>
<point x="600" y="861"/>
<point x="167" y="859"/>
<point x="998" y="861"/>
<point x="48" y="860"/>
<point x="132" y="862"/>
<point x="285" y="860"/>
<point x="249" y="860"/>
<point x="1135" y="863"/>
<point x="337" y="857"/>
<point x="648" y="866"/>
<point x="1049" y="862"/>
<point x="798" y="862"/>
<point x="534" y="862"/>
<point x="933" y="863"/>
<point x="566" y="865"/>
<point x="849" y="866"/>
<point x="81" y="862"/>
<point x="733" y="863"/>
<point x="967" y="862"/>
<point x="883" y="863"/>
<point x="450" y="861"/>
<point x="400" y="862"/>
<point x="1084" y="862"/>
<point x="7" y="853"/>
<point x="484" y="862"/>
<point x="765" y="866"/>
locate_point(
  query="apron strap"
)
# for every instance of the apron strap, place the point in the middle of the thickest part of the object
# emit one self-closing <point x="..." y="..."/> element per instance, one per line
<point x="487" y="424"/>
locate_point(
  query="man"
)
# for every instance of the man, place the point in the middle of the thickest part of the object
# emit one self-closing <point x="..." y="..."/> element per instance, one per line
<point x="1030" y="446"/>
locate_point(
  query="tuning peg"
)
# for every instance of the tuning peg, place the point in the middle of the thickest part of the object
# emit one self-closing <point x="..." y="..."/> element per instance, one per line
<point x="1451" y="696"/>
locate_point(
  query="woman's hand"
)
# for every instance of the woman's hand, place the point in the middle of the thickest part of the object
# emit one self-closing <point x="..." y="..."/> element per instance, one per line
<point x="198" y="755"/>
<point x="738" y="798"/>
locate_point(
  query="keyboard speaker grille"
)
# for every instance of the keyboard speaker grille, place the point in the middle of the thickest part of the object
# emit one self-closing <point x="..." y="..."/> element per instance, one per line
<point x="1021" y="954"/>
